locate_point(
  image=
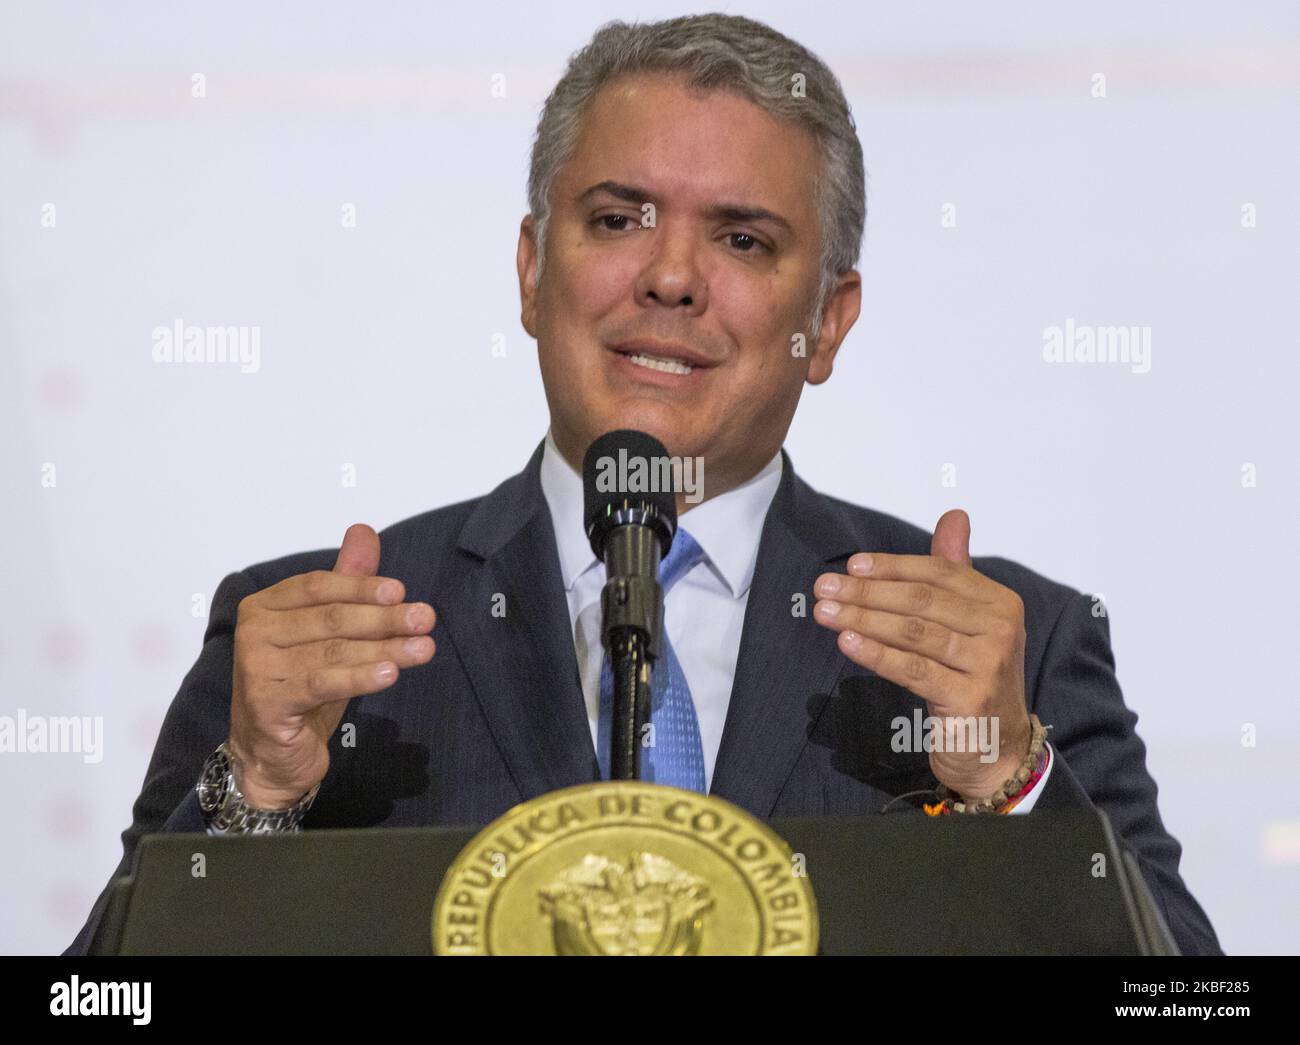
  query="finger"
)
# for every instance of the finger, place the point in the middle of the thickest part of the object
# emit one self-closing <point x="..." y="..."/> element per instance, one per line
<point x="930" y="681"/>
<point x="903" y="632"/>
<point x="359" y="553"/>
<point x="952" y="537"/>
<point x="913" y="598"/>
<point x="943" y="573"/>
<point x="330" y="653"/>
<point x="341" y="620"/>
<point x="321" y="587"/>
<point x="312" y="689"/>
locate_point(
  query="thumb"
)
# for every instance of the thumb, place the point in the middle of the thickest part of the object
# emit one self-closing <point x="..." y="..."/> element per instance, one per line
<point x="359" y="555"/>
<point x="952" y="537"/>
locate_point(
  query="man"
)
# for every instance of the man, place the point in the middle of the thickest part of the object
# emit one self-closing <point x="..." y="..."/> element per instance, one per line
<point x="688" y="263"/>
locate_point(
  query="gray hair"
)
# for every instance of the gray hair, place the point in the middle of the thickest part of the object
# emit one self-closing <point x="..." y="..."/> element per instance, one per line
<point x="718" y="52"/>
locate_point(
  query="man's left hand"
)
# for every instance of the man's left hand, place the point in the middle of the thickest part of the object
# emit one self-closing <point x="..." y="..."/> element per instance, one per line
<point x="955" y="638"/>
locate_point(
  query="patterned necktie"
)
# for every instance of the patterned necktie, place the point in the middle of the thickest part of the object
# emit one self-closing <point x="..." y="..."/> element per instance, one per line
<point x="676" y="757"/>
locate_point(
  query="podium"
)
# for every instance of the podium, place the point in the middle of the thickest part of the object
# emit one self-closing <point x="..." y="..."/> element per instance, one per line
<point x="1046" y="883"/>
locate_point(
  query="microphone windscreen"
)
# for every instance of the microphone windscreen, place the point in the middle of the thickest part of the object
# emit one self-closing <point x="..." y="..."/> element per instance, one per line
<point x="627" y="474"/>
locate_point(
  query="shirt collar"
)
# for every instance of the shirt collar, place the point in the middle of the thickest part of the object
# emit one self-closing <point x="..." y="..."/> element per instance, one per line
<point x="727" y="527"/>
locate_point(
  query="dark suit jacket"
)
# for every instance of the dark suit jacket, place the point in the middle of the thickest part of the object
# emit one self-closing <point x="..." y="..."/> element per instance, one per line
<point x="497" y="716"/>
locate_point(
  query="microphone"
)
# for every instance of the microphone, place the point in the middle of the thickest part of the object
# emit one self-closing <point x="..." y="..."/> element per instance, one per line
<point x="630" y="512"/>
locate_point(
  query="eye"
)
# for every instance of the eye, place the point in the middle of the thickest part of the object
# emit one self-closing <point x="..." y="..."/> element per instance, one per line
<point x="603" y="221"/>
<point x="746" y="242"/>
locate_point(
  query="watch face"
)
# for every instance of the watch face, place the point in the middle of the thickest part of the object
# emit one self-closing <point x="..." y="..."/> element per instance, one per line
<point x="212" y="786"/>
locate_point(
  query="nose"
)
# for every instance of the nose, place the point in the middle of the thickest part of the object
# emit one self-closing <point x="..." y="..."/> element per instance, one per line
<point x="671" y="275"/>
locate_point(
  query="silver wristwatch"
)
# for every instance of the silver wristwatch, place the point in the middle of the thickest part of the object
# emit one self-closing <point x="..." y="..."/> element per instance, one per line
<point x="225" y="810"/>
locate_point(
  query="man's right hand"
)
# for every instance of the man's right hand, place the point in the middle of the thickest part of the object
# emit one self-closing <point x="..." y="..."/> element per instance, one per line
<point x="303" y="649"/>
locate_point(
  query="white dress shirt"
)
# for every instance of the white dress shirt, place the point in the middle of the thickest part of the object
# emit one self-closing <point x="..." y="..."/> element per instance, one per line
<point x="703" y="612"/>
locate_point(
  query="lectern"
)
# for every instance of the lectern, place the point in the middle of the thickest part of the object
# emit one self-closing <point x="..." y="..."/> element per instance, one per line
<point x="1050" y="882"/>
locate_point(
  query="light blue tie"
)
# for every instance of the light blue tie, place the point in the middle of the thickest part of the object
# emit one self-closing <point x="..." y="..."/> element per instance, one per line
<point x="676" y="757"/>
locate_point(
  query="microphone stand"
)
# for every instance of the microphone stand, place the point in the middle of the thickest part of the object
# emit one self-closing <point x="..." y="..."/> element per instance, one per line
<point x="632" y="667"/>
<point x="632" y="610"/>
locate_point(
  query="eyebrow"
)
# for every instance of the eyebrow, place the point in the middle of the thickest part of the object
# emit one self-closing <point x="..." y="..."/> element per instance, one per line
<point x="727" y="211"/>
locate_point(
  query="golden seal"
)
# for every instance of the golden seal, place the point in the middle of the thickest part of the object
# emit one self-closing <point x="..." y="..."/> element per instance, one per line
<point x="623" y="868"/>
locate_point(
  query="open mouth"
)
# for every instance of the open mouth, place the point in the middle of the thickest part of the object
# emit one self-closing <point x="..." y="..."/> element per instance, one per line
<point x="661" y="363"/>
<point x="669" y="359"/>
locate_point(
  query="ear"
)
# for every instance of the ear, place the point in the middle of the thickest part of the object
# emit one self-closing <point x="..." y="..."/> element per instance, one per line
<point x="842" y="309"/>
<point x="526" y="262"/>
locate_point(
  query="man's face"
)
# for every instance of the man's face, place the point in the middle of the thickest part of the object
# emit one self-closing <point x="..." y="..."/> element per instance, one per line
<point x="697" y="277"/>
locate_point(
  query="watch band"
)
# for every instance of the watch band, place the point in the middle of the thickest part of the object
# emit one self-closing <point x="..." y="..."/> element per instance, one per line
<point x="226" y="812"/>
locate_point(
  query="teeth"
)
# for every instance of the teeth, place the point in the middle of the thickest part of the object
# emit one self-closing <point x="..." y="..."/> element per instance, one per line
<point x="668" y="366"/>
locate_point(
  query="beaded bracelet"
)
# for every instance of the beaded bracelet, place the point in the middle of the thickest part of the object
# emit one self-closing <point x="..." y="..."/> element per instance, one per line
<point x="1008" y="796"/>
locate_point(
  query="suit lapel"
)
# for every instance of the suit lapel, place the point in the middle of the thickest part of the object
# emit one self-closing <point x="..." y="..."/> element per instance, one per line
<point x="788" y="664"/>
<point x="509" y="623"/>
<point x="521" y="664"/>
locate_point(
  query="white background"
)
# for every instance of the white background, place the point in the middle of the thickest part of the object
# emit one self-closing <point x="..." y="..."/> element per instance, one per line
<point x="376" y="350"/>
